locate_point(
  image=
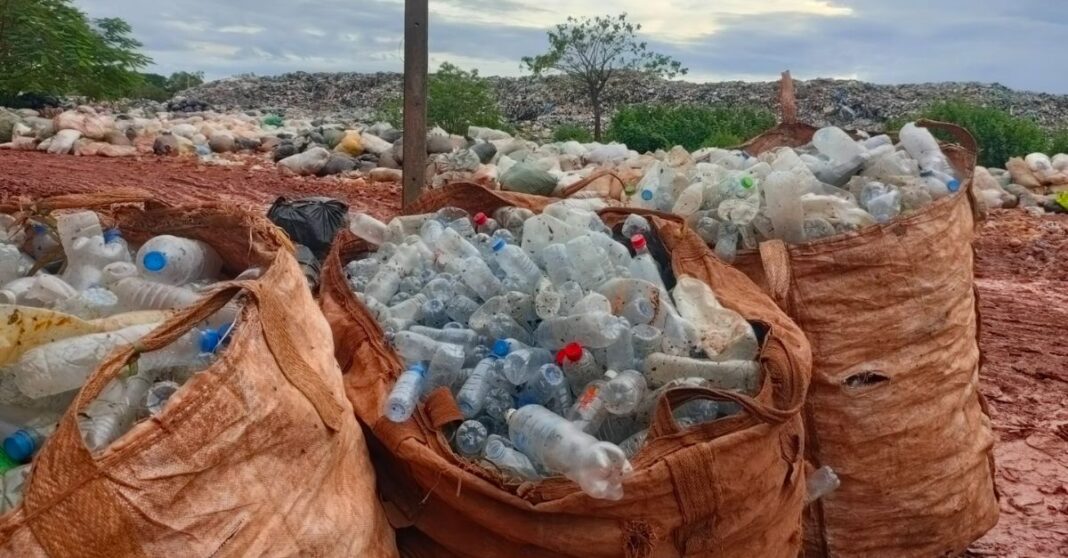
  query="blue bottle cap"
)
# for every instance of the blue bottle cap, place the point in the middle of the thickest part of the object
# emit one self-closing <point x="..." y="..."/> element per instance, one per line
<point x="20" y="446"/>
<point x="647" y="195"/>
<point x="210" y="338"/>
<point x="525" y="399"/>
<point x="953" y="185"/>
<point x="418" y="367"/>
<point x="500" y="348"/>
<point x="498" y="245"/>
<point x="154" y="261"/>
<point x="40" y="229"/>
<point x="111" y="235"/>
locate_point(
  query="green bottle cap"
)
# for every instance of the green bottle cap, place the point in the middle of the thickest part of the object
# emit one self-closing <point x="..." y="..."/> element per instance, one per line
<point x="6" y="463"/>
<point x="747" y="182"/>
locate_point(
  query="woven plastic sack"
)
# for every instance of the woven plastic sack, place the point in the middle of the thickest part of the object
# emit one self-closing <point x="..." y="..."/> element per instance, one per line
<point x="258" y="455"/>
<point x="894" y="406"/>
<point x="730" y="488"/>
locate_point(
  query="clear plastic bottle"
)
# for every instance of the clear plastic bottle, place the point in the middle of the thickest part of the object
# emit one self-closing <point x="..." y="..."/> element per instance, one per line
<point x="520" y="366"/>
<point x="647" y="340"/>
<point x="820" y="483"/>
<point x="111" y="415"/>
<point x="21" y="443"/>
<point x="414" y="346"/>
<point x="503" y="326"/>
<point x="623" y="391"/>
<point x="471" y="437"/>
<point x="727" y="242"/>
<point x="460" y="308"/>
<point x="406" y="393"/>
<point x="836" y="145"/>
<point x="596" y="330"/>
<point x="64" y="365"/>
<point x="620" y="354"/>
<point x="578" y="365"/>
<point x="434" y="314"/>
<point x="12" y="485"/>
<point x="446" y="366"/>
<point x="634" y="443"/>
<point x="588" y="262"/>
<point x="592" y="302"/>
<point x="370" y="229"/>
<point x="738" y="375"/>
<point x="458" y="335"/>
<point x="552" y="388"/>
<point x="782" y="191"/>
<point x="643" y="266"/>
<point x="516" y="264"/>
<point x="484" y="224"/>
<point x="557" y="264"/>
<point x="689" y="200"/>
<point x="886" y="206"/>
<point x="923" y="147"/>
<point x="193" y="351"/>
<point x="464" y="226"/>
<point x="477" y="275"/>
<point x="455" y="245"/>
<point x="696" y="412"/>
<point x="597" y="467"/>
<point x="473" y="393"/>
<point x="10" y="262"/>
<point x="135" y="293"/>
<point x="158" y="395"/>
<point x="639" y="311"/>
<point x="510" y="461"/>
<point x="410" y="309"/>
<point x="178" y="261"/>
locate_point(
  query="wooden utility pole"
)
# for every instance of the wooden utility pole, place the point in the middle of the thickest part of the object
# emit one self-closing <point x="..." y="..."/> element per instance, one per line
<point x="415" y="69"/>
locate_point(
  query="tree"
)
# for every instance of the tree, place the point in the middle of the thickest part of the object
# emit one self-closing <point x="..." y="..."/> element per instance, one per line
<point x="49" y="46"/>
<point x="180" y="81"/>
<point x="455" y="100"/>
<point x="595" y="53"/>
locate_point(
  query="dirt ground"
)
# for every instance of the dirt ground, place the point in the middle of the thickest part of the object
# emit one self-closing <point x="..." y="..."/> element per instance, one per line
<point x="1022" y="279"/>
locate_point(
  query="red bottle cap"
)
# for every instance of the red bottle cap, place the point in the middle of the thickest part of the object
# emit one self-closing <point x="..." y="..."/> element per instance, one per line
<point x="638" y="242"/>
<point x="480" y="218"/>
<point x="571" y="352"/>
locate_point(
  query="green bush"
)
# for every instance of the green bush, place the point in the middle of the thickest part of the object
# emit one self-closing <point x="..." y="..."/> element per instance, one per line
<point x="1058" y="143"/>
<point x="651" y="127"/>
<point x="999" y="134"/>
<point x="572" y="132"/>
<point x="455" y="100"/>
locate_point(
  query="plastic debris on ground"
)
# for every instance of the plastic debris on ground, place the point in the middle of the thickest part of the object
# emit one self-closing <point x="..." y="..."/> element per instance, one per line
<point x="554" y="334"/>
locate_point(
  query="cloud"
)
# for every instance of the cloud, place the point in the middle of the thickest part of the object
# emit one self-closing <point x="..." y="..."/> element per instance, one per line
<point x="1013" y="43"/>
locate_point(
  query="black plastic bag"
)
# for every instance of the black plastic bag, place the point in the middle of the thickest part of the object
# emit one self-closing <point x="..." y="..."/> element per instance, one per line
<point x="312" y="222"/>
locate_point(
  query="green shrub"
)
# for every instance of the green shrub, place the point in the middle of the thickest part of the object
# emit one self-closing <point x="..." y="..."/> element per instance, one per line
<point x="651" y="127"/>
<point x="572" y="132"/>
<point x="999" y="134"/>
<point x="1058" y="143"/>
<point x="455" y="100"/>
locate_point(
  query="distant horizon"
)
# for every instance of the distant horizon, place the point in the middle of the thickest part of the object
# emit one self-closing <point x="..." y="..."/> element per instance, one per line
<point x="906" y="42"/>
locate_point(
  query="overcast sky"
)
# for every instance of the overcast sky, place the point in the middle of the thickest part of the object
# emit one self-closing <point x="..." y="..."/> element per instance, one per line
<point x="1018" y="43"/>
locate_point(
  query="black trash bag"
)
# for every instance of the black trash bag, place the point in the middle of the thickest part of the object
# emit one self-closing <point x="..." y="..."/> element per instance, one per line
<point x="312" y="222"/>
<point x="309" y="264"/>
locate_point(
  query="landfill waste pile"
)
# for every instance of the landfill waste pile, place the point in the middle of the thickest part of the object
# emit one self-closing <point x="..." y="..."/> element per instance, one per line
<point x="1040" y="182"/>
<point x="555" y="334"/>
<point x="73" y="292"/>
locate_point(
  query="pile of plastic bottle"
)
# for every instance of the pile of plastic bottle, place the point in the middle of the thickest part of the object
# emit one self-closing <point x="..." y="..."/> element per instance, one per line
<point x="78" y="269"/>
<point x="555" y="335"/>
<point x="834" y="185"/>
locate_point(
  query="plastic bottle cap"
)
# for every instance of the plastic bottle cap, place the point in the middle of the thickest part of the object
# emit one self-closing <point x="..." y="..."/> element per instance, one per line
<point x="40" y="229"/>
<point x="111" y="235"/>
<point x="418" y="367"/>
<point x="611" y="374"/>
<point x="953" y="185"/>
<point x="154" y="261"/>
<point x="747" y="182"/>
<point x="638" y="242"/>
<point x="498" y="245"/>
<point x="500" y="348"/>
<point x="524" y="399"/>
<point x="210" y="338"/>
<point x="480" y="218"/>
<point x="20" y="446"/>
<point x="571" y="352"/>
<point x="647" y="195"/>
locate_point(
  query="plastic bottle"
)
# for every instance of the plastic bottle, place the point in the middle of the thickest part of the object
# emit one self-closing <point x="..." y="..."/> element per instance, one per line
<point x="405" y="394"/>
<point x="634" y="443"/>
<point x="647" y="340"/>
<point x="433" y="313"/>
<point x="158" y="395"/>
<point x="820" y="483"/>
<point x="460" y="308"/>
<point x="471" y="437"/>
<point x="623" y="391"/>
<point x="135" y="293"/>
<point x="414" y="346"/>
<point x="643" y="266"/>
<point x="639" y="311"/>
<point x="21" y="443"/>
<point x="727" y="242"/>
<point x="10" y="263"/>
<point x="520" y="366"/>
<point x="595" y="330"/>
<point x="177" y="261"/>
<point x="578" y="365"/>
<point x="477" y="275"/>
<point x="922" y="146"/>
<point x="64" y="365"/>
<point x="696" y="412"/>
<point x="192" y="351"/>
<point x="635" y="224"/>
<point x="445" y="366"/>
<point x="886" y="206"/>
<point x="510" y="461"/>
<point x="368" y="228"/>
<point x="782" y="191"/>
<point x="473" y="394"/>
<point x="592" y="302"/>
<point x="516" y="263"/>
<point x="111" y="415"/>
<point x="738" y="375"/>
<point x="556" y="262"/>
<point x="552" y="387"/>
<point x="588" y="262"/>
<point x="597" y="467"/>
<point x="484" y="224"/>
<point x="460" y="335"/>
<point x="836" y="145"/>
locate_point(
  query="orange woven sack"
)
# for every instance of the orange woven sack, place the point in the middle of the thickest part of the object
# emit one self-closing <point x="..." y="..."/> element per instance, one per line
<point x="730" y="488"/>
<point x="894" y="405"/>
<point x="258" y="455"/>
